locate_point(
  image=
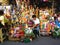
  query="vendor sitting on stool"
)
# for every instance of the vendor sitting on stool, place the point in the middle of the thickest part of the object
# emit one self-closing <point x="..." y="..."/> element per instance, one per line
<point x="36" y="27"/>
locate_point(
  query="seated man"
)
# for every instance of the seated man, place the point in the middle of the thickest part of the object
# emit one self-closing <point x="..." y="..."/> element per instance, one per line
<point x="36" y="27"/>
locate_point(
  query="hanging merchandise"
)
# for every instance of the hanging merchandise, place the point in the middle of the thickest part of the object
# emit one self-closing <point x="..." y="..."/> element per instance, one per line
<point x="22" y="7"/>
<point x="31" y="12"/>
<point x="30" y="23"/>
<point x="7" y="11"/>
<point x="8" y="14"/>
<point x="18" y="3"/>
<point x="42" y="17"/>
<point x="52" y="25"/>
<point x="23" y="13"/>
<point x="5" y="20"/>
<point x="59" y="32"/>
<point x="43" y="24"/>
<point x="14" y="19"/>
<point x="27" y="13"/>
<point x="26" y="40"/>
<point x="11" y="32"/>
<point x="42" y="20"/>
<point x="28" y="32"/>
<point x="2" y="19"/>
<point x="22" y="33"/>
<point x="16" y="34"/>
<point x="57" y="23"/>
<point x="19" y="33"/>
<point x="20" y="27"/>
<point x="56" y="29"/>
<point x="56" y="34"/>
<point x="37" y="12"/>
<point x="5" y="2"/>
<point x="24" y="20"/>
<point x="43" y="33"/>
<point x="45" y="0"/>
<point x="48" y="27"/>
<point x="40" y="12"/>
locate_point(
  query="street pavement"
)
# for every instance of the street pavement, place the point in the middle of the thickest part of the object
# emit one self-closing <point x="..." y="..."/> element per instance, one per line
<point x="38" y="41"/>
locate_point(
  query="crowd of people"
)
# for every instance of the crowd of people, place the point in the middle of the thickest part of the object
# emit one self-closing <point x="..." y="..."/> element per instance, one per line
<point x="28" y="21"/>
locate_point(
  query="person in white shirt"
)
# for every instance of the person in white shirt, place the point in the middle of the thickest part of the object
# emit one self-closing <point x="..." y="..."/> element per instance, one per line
<point x="36" y="26"/>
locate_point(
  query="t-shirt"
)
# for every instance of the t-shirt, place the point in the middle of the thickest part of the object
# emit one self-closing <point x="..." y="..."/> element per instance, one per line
<point x="36" y="21"/>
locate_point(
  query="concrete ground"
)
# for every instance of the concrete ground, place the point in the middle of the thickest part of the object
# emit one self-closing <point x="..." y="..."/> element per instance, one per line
<point x="38" y="41"/>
